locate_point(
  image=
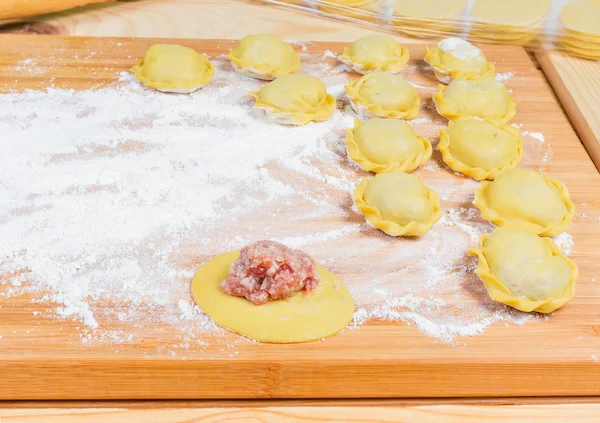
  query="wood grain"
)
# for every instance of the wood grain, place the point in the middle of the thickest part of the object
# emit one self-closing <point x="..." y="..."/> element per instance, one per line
<point x="576" y="83"/>
<point x="256" y="413"/>
<point x="11" y="9"/>
<point x="39" y="358"/>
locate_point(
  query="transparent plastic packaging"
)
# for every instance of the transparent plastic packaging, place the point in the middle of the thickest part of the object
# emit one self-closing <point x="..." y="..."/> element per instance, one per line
<point x="571" y="26"/>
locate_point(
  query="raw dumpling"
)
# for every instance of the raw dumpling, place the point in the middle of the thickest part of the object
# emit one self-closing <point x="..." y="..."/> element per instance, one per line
<point x="485" y="98"/>
<point x="295" y="100"/>
<point x="264" y="56"/>
<point x="385" y="145"/>
<point x="173" y="68"/>
<point x="480" y="149"/>
<point x="526" y="200"/>
<point x="525" y="271"/>
<point x="375" y="52"/>
<point x="381" y="94"/>
<point x="398" y="203"/>
<point x="453" y="58"/>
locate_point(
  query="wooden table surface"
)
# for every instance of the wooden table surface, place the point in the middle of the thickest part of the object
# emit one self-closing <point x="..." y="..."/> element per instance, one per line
<point x="234" y="19"/>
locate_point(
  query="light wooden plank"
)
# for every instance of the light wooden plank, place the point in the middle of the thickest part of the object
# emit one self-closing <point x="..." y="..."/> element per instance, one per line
<point x="439" y="413"/>
<point x="382" y="359"/>
<point x="576" y="83"/>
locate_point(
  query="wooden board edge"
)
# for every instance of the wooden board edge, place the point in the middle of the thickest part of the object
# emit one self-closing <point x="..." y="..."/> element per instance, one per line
<point x="172" y="380"/>
<point x="568" y="103"/>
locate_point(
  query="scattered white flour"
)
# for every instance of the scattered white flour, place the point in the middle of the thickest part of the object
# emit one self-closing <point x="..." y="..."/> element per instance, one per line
<point x="535" y="135"/>
<point x="504" y="77"/>
<point x="329" y="55"/>
<point x="117" y="195"/>
<point x="564" y="242"/>
<point x="459" y="48"/>
<point x="595" y="358"/>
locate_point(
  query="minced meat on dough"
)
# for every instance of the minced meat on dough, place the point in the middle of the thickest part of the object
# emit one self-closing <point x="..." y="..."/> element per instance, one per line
<point x="270" y="270"/>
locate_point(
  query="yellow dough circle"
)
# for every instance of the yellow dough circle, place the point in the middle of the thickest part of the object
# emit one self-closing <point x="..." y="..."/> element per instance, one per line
<point x="305" y="316"/>
<point x="454" y="58"/>
<point x="480" y="149"/>
<point x="484" y="98"/>
<point x="386" y="145"/>
<point x="375" y="52"/>
<point x="525" y="271"/>
<point x="526" y="200"/>
<point x="264" y="56"/>
<point x="398" y="203"/>
<point x="510" y="13"/>
<point x="582" y="19"/>
<point x="429" y="9"/>
<point x="295" y="100"/>
<point x="382" y="94"/>
<point x="173" y="68"/>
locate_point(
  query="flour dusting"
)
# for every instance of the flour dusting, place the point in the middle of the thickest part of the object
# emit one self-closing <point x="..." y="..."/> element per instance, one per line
<point x="117" y="195"/>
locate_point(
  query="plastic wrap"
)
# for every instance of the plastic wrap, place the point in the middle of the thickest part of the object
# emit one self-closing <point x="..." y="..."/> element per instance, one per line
<point x="571" y="26"/>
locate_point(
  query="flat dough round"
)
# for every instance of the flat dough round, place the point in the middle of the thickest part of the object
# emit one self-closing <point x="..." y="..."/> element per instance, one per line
<point x="173" y="68"/>
<point x="525" y="271"/>
<point x="480" y="149"/>
<point x="526" y="200"/>
<point x="485" y="98"/>
<point x="382" y="94"/>
<point x="429" y="9"/>
<point x="386" y="145"/>
<point x="511" y="13"/>
<point x="305" y="316"/>
<point x="582" y="18"/>
<point x="264" y="56"/>
<point x="454" y="58"/>
<point x="398" y="203"/>
<point x="295" y="100"/>
<point x="375" y="52"/>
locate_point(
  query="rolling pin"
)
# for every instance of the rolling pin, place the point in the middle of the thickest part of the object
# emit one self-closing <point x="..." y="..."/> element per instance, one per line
<point x="12" y="9"/>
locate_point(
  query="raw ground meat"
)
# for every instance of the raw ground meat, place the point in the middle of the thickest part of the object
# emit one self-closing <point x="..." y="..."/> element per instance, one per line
<point x="270" y="270"/>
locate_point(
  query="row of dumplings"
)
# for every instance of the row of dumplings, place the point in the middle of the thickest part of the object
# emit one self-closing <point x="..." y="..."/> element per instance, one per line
<point x="517" y="265"/>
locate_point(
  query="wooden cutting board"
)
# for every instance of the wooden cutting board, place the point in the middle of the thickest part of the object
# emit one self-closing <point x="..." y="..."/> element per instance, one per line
<point x="39" y="358"/>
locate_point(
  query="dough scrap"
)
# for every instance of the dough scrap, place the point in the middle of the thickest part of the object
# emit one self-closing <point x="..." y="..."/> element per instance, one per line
<point x="525" y="271"/>
<point x="480" y="149"/>
<point x="398" y="203"/>
<point x="295" y="99"/>
<point x="453" y="58"/>
<point x="382" y="94"/>
<point x="305" y="316"/>
<point x="173" y="68"/>
<point x="485" y="98"/>
<point x="526" y="200"/>
<point x="375" y="52"/>
<point x="386" y="145"/>
<point x="264" y="56"/>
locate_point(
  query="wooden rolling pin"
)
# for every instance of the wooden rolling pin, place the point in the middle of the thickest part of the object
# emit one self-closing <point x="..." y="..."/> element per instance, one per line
<point x="12" y="9"/>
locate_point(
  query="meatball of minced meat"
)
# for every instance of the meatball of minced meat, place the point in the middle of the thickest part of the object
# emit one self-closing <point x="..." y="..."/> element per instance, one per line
<point x="270" y="270"/>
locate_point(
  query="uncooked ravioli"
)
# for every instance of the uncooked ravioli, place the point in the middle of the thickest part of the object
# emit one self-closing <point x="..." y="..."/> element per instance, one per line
<point x="375" y="52"/>
<point x="480" y="149"/>
<point x="264" y="56"/>
<point x="382" y="94"/>
<point x="303" y="317"/>
<point x="173" y="68"/>
<point x="485" y="98"/>
<point x="525" y="271"/>
<point x="526" y="200"/>
<point x="453" y="58"/>
<point x="295" y="99"/>
<point x="386" y="145"/>
<point x="398" y="203"/>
